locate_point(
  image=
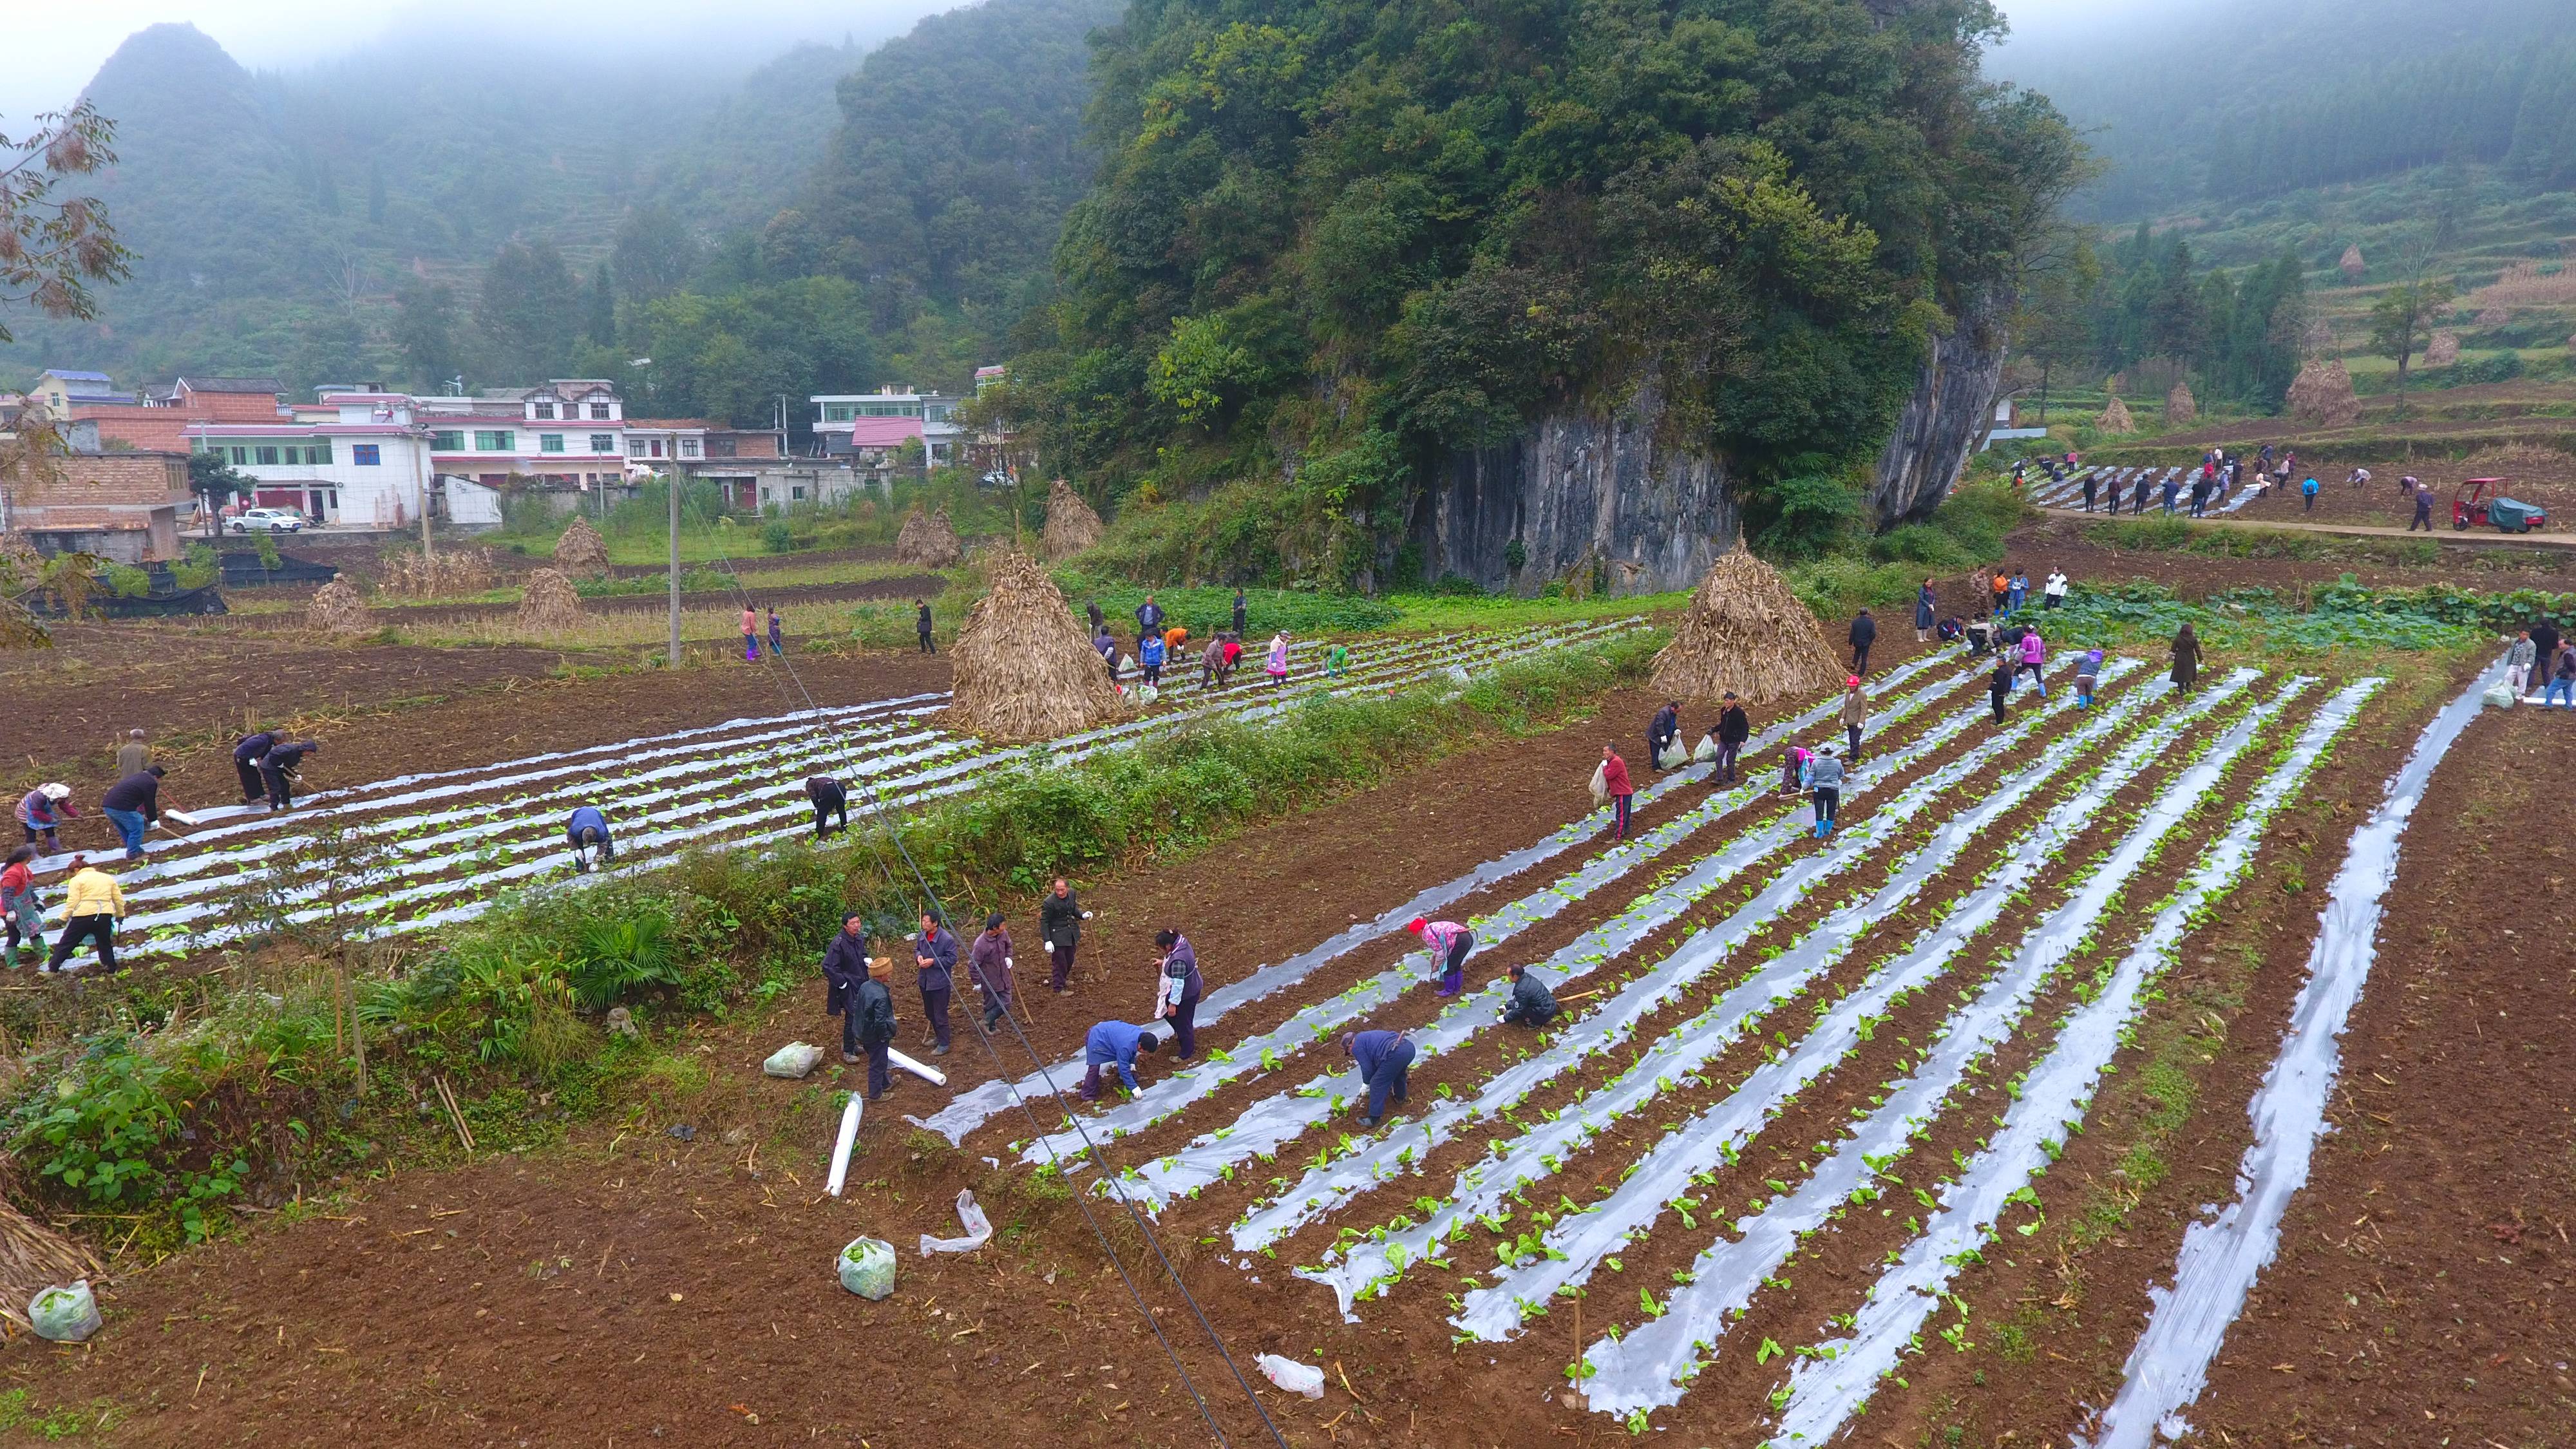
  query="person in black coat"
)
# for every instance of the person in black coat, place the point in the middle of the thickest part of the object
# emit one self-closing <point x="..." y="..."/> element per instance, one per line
<point x="1099" y="620"/>
<point x="246" y="757"/>
<point x="845" y="965"/>
<point x="921" y="625"/>
<point x="1238" y="613"/>
<point x="1864" y="633"/>
<point x="1733" y="729"/>
<point x="1149" y="617"/>
<point x="1060" y="918"/>
<point x="831" y="804"/>
<point x="1531" y="1004"/>
<point x="277" y="771"/>
<point x="1999" y="685"/>
<point x="1665" y="728"/>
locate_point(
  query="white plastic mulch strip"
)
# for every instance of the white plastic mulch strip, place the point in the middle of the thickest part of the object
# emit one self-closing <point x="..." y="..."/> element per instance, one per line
<point x="1829" y="1386"/>
<point x="2222" y="1256"/>
<point x="1663" y="1174"/>
<point x="1269" y="1124"/>
<point x="1538" y="1152"/>
<point x="1648" y="1367"/>
<point x="495" y="862"/>
<point x="1266" y="1050"/>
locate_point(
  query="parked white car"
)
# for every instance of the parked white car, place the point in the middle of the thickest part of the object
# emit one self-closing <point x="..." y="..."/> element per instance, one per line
<point x="274" y="520"/>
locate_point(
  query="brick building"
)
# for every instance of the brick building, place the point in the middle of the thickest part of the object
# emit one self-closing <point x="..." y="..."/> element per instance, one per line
<point x="122" y="505"/>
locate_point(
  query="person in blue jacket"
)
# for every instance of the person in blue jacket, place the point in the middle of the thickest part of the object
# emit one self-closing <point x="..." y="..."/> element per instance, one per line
<point x="1384" y="1057"/>
<point x="587" y="831"/>
<point x="1149" y="656"/>
<point x="1114" y="1044"/>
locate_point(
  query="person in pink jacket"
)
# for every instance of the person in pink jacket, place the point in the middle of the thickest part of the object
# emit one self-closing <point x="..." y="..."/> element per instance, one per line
<point x="1448" y="942"/>
<point x="1277" y="667"/>
<point x="2034" y="657"/>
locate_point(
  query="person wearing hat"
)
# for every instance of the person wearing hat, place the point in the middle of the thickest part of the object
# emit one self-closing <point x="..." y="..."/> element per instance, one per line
<point x="133" y="805"/>
<point x="42" y="811"/>
<point x="1855" y="715"/>
<point x="1178" y="996"/>
<point x="133" y="755"/>
<point x="1384" y="1058"/>
<point x="867" y="1017"/>
<point x="988" y="963"/>
<point x="1114" y="1044"/>
<point x="1825" y="781"/>
<point x="1448" y="942"/>
<point x="92" y="905"/>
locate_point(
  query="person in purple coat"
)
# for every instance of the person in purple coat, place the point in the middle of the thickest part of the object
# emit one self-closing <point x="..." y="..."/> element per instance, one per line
<point x="989" y="964"/>
<point x="934" y="955"/>
<point x="1182" y="986"/>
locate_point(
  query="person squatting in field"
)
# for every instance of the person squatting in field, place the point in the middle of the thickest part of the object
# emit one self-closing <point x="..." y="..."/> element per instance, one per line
<point x="1531" y="1004"/>
<point x="1661" y="733"/>
<point x="21" y="913"/>
<point x="42" y="811"/>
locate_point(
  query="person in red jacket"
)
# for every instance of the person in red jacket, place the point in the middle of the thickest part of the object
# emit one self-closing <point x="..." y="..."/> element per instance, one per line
<point x="1614" y="777"/>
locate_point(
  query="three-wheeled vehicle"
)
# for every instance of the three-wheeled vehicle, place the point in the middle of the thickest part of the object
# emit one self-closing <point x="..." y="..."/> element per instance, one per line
<point x="2481" y="501"/>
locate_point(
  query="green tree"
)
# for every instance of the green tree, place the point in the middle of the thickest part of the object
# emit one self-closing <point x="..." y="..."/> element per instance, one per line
<point x="210" y="475"/>
<point x="655" y="253"/>
<point x="2401" y="320"/>
<point x="329" y="347"/>
<point x="425" y="326"/>
<point x="529" y="311"/>
<point x="375" y="191"/>
<point x="53" y="246"/>
<point x="601" y="323"/>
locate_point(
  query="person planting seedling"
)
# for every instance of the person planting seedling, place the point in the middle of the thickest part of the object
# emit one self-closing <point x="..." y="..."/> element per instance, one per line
<point x="1384" y="1058"/>
<point x="278" y="771"/>
<point x="587" y="831"/>
<point x="1531" y="1004"/>
<point x="831" y="804"/>
<point x="1114" y="1044"/>
<point x="1448" y="942"/>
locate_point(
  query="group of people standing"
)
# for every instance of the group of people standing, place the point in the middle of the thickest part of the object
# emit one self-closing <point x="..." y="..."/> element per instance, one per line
<point x="1162" y="644"/>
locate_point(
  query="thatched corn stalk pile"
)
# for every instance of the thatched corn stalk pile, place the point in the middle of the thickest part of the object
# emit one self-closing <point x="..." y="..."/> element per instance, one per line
<point x="456" y="571"/>
<point x="1746" y="632"/>
<point x="2353" y="267"/>
<point x="581" y="551"/>
<point x="2180" y="406"/>
<point x="928" y="540"/>
<point x="337" y="608"/>
<point x="2322" y="397"/>
<point x="548" y="605"/>
<point x="1024" y="669"/>
<point x="1071" y="525"/>
<point x="2115" y="418"/>
<point x="2443" y="350"/>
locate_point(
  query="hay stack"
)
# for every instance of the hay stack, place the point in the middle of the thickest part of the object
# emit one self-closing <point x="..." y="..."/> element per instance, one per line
<point x="2180" y="406"/>
<point x="2115" y="418"/>
<point x="1071" y="525"/>
<point x="33" y="1258"/>
<point x="1024" y="669"/>
<point x="581" y="550"/>
<point x="2322" y="397"/>
<point x="928" y="540"/>
<point x="2443" y="350"/>
<point x="455" y="571"/>
<point x="337" y="608"/>
<point x="1746" y="632"/>
<point x="2495" y="316"/>
<point x="19" y="629"/>
<point x="2354" y="268"/>
<point x="548" y="605"/>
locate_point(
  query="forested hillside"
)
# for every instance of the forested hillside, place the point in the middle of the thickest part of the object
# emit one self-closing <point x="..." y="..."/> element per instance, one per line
<point x="2226" y="101"/>
<point x="1335" y="241"/>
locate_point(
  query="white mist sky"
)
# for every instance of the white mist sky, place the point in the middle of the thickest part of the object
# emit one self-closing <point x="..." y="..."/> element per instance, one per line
<point x="54" y="46"/>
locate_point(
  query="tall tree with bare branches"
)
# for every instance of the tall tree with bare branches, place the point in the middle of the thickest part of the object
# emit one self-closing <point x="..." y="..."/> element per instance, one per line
<point x="53" y="246"/>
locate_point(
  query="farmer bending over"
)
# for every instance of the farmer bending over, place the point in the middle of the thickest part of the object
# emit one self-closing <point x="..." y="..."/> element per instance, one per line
<point x="587" y="831"/>
<point x="1114" y="1043"/>
<point x="1384" y="1057"/>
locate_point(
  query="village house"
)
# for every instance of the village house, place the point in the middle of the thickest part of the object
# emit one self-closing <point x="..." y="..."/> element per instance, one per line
<point x="874" y="426"/>
<point x="120" y="504"/>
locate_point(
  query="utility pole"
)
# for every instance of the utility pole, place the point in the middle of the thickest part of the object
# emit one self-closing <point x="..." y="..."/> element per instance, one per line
<point x="673" y="488"/>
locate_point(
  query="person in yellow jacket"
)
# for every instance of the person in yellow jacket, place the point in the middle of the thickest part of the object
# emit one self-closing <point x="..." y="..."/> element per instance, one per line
<point x="92" y="905"/>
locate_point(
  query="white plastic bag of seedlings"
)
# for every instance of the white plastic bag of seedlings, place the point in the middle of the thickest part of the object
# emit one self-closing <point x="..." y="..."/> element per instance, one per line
<point x="792" y="1061"/>
<point x="1707" y="750"/>
<point x="65" y="1315"/>
<point x="1601" y="783"/>
<point x="979" y="1229"/>
<point x="2500" y="696"/>
<point x="867" y="1268"/>
<point x="1295" y="1377"/>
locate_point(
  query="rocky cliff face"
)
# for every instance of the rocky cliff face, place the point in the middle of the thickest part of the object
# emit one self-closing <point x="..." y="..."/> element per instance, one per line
<point x="1577" y="490"/>
<point x="1947" y="415"/>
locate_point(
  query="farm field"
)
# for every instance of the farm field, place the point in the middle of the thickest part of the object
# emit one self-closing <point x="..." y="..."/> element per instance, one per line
<point x="1782" y="1174"/>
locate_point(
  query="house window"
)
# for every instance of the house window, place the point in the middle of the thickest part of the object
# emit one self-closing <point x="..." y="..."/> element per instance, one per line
<point x="267" y="457"/>
<point x="500" y="441"/>
<point x="635" y="447"/>
<point x="720" y="447"/>
<point x="318" y="455"/>
<point x="241" y="457"/>
<point x="550" y="442"/>
<point x="365" y="455"/>
<point x="657" y="447"/>
<point x="797" y="493"/>
<point x="688" y="447"/>
<point x="447" y="442"/>
<point x="599" y="412"/>
<point x="544" y="410"/>
<point x="603" y="442"/>
<point x="838" y="412"/>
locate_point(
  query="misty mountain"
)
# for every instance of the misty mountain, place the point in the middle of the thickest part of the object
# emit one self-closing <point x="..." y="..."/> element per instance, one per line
<point x="2225" y="101"/>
